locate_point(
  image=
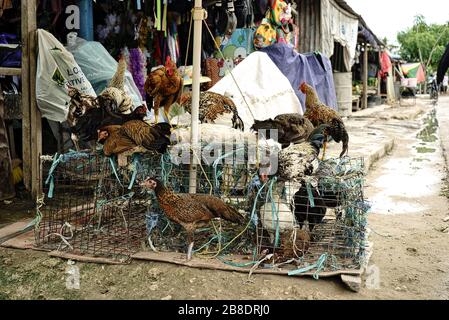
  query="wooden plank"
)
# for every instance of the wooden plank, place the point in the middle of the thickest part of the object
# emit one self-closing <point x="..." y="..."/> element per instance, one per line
<point x="87" y="259"/>
<point x="215" y="264"/>
<point x="26" y="120"/>
<point x="15" y="229"/>
<point x="10" y="71"/>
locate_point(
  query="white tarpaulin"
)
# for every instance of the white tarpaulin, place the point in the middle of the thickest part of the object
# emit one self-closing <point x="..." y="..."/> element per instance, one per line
<point x="340" y="26"/>
<point x="267" y="91"/>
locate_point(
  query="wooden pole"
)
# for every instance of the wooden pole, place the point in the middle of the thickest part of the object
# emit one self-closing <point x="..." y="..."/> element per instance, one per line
<point x="365" y="78"/>
<point x="32" y="121"/>
<point x="26" y="119"/>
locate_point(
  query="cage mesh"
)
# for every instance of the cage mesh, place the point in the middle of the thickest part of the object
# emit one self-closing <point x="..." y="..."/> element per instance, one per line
<point x="93" y="206"/>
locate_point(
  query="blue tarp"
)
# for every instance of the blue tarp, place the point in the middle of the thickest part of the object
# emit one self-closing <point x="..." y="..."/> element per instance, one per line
<point x="313" y="68"/>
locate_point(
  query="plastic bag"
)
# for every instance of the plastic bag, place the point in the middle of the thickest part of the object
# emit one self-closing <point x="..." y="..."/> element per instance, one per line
<point x="99" y="67"/>
<point x="56" y="67"/>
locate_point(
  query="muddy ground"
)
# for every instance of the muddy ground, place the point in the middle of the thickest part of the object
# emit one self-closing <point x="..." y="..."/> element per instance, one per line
<point x="409" y="193"/>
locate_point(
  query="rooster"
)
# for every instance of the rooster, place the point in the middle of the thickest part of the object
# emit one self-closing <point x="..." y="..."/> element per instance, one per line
<point x="318" y="113"/>
<point x="191" y="210"/>
<point x="213" y="105"/>
<point x="165" y="86"/>
<point x="291" y="128"/>
<point x="117" y="139"/>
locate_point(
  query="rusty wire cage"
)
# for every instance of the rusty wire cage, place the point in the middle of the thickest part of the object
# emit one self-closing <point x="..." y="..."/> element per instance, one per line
<point x="95" y="207"/>
<point x="85" y="210"/>
<point x="317" y="224"/>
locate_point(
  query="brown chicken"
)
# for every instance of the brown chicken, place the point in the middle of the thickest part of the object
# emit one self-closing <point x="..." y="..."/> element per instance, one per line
<point x="213" y="105"/>
<point x="318" y="113"/>
<point x="191" y="210"/>
<point x="291" y="128"/>
<point x="117" y="139"/>
<point x="165" y="86"/>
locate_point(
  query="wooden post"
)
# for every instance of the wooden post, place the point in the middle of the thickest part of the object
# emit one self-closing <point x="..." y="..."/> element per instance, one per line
<point x="26" y="119"/>
<point x="32" y="121"/>
<point x="365" y="78"/>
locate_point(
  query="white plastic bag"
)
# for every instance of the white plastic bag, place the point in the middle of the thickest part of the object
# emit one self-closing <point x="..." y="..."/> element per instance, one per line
<point x="57" y="68"/>
<point x="99" y="67"/>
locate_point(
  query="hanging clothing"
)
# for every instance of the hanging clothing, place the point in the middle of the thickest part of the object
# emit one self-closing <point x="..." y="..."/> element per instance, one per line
<point x="385" y="62"/>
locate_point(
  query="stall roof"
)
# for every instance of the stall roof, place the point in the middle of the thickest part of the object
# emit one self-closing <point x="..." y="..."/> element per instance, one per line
<point x="342" y="4"/>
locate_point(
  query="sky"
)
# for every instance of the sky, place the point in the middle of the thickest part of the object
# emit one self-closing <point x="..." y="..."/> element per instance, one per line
<point x="387" y="17"/>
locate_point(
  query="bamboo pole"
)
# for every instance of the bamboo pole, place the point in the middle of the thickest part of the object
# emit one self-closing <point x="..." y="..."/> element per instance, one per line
<point x="198" y="16"/>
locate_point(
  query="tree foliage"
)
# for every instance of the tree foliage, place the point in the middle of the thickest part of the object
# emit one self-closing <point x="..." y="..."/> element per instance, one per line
<point x="424" y="43"/>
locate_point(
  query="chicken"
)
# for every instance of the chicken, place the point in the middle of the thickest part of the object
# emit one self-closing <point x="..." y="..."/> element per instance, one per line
<point x="191" y="210"/>
<point x="87" y="113"/>
<point x="213" y="105"/>
<point x="117" y="139"/>
<point x="304" y="211"/>
<point x="291" y="128"/>
<point x="114" y="97"/>
<point x="165" y="86"/>
<point x="295" y="243"/>
<point x="301" y="160"/>
<point x="275" y="215"/>
<point x="87" y="126"/>
<point x="79" y="104"/>
<point x="318" y="113"/>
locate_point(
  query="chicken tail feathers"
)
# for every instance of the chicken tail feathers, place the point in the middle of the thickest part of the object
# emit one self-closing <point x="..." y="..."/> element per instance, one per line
<point x="345" y="141"/>
<point x="340" y="134"/>
<point x="237" y="122"/>
<point x="118" y="81"/>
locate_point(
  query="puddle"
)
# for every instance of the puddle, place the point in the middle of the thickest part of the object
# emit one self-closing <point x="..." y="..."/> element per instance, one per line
<point x="429" y="132"/>
<point x="425" y="150"/>
<point x="405" y="180"/>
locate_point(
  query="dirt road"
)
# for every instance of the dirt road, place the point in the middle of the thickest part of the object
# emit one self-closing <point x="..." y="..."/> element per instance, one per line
<point x="406" y="190"/>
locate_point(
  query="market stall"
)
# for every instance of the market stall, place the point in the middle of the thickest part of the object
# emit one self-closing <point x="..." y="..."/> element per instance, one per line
<point x="233" y="174"/>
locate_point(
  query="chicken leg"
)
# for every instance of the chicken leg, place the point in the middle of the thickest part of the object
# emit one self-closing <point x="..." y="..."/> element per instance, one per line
<point x="324" y="150"/>
<point x="190" y="240"/>
<point x="157" y="103"/>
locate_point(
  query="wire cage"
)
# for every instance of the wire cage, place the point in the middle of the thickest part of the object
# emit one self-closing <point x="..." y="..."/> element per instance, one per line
<point x="95" y="207"/>
<point x="85" y="211"/>
<point x="317" y="224"/>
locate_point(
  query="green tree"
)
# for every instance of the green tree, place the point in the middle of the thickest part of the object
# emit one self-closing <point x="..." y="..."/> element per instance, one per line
<point x="424" y="43"/>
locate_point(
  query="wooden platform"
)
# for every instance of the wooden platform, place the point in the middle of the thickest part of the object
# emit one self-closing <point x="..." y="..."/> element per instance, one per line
<point x="14" y="237"/>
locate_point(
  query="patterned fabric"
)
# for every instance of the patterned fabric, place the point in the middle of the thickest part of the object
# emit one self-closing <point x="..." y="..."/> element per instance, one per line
<point x="265" y="35"/>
